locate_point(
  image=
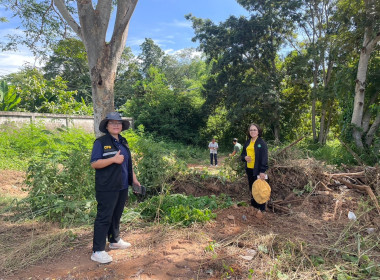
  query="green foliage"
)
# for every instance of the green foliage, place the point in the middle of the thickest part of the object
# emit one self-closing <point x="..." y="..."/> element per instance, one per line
<point x="69" y="61"/>
<point x="163" y="112"/>
<point x="332" y="153"/>
<point x="128" y="74"/>
<point x="46" y="96"/>
<point x="233" y="167"/>
<point x="42" y="25"/>
<point x="154" y="164"/>
<point x="62" y="190"/>
<point x="182" y="210"/>
<point x="59" y="177"/>
<point x="244" y="79"/>
<point x="8" y="97"/>
<point x="18" y="145"/>
<point x="151" y="55"/>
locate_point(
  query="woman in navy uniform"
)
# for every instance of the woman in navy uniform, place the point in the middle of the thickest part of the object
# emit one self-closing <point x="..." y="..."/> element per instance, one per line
<point x="112" y="161"/>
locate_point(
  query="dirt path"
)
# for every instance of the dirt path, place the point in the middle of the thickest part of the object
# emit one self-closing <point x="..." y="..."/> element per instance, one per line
<point x="217" y="250"/>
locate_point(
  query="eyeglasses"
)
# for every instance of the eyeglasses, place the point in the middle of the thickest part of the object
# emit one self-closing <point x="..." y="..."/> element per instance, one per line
<point x="253" y="130"/>
<point x="115" y="123"/>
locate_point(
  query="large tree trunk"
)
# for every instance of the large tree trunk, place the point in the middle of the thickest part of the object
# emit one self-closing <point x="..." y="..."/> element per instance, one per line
<point x="357" y="114"/>
<point x="103" y="57"/>
<point x="102" y="82"/>
<point x="369" y="44"/>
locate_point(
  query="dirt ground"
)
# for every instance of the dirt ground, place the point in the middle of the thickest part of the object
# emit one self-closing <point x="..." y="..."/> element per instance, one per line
<point x="231" y="243"/>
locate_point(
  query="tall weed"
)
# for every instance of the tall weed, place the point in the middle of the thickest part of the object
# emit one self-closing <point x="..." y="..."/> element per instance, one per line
<point x="153" y="164"/>
<point x="18" y="145"/>
<point x="62" y="190"/>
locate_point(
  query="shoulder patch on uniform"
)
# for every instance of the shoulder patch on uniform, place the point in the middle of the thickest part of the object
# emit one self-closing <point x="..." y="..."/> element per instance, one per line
<point x="107" y="147"/>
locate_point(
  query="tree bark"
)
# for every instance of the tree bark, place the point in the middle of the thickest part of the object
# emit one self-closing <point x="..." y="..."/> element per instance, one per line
<point x="103" y="57"/>
<point x="369" y="44"/>
<point x="371" y="132"/>
<point x="314" y="101"/>
<point x="322" y="124"/>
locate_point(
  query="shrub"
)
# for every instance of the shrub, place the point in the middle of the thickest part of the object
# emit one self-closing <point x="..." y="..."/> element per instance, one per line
<point x="62" y="190"/>
<point x="153" y="164"/>
<point x="180" y="209"/>
<point x="18" y="145"/>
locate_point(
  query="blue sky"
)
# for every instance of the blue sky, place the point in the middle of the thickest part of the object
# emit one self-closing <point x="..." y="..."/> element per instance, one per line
<point x="161" y="20"/>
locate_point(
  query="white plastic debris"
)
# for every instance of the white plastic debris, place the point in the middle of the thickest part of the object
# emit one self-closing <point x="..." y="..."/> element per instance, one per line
<point x="351" y="216"/>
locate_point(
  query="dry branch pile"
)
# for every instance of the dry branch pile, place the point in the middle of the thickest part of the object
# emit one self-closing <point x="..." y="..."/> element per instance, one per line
<point x="294" y="175"/>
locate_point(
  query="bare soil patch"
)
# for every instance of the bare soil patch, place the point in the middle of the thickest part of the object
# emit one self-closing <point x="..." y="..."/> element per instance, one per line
<point x="212" y="250"/>
<point x="12" y="183"/>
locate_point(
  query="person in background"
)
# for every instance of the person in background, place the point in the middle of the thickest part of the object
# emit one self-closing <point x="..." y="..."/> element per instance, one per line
<point x="255" y="156"/>
<point x="112" y="161"/>
<point x="237" y="148"/>
<point x="213" y="146"/>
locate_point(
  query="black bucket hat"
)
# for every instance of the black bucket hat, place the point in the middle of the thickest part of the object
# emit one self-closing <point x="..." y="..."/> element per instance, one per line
<point x="113" y="116"/>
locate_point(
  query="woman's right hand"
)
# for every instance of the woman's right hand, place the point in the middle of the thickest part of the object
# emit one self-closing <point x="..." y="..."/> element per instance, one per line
<point x="248" y="159"/>
<point x="118" y="158"/>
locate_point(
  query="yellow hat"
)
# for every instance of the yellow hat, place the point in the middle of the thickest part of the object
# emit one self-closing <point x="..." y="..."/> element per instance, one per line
<point x="261" y="191"/>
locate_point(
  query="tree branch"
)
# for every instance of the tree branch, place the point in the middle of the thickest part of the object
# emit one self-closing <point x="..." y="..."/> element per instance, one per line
<point x="60" y="4"/>
<point x="124" y="13"/>
<point x="103" y="9"/>
<point x="371" y="132"/>
<point x="371" y="43"/>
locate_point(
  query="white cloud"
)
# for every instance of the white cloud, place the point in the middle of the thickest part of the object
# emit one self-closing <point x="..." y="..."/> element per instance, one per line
<point x="182" y="23"/>
<point x="135" y="41"/>
<point x="11" y="62"/>
<point x="10" y="31"/>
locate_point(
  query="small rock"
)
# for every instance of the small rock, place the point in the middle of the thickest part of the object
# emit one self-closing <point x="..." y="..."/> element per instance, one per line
<point x="251" y="252"/>
<point x="231" y="217"/>
<point x="209" y="271"/>
<point x="244" y="217"/>
<point x="371" y="230"/>
<point x="248" y="258"/>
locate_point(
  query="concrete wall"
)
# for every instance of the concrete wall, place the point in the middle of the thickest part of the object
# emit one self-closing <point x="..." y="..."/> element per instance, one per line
<point x="51" y="121"/>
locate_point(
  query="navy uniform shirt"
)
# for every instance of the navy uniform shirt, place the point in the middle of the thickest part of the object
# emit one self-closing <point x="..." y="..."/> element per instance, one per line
<point x="97" y="153"/>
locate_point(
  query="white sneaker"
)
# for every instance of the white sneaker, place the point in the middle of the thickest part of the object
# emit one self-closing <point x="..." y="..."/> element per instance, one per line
<point x="121" y="244"/>
<point x="101" y="257"/>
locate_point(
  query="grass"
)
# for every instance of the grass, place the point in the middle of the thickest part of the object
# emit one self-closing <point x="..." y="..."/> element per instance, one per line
<point x="35" y="242"/>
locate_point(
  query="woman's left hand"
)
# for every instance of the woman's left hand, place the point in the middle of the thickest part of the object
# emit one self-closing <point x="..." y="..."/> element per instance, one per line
<point x="262" y="176"/>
